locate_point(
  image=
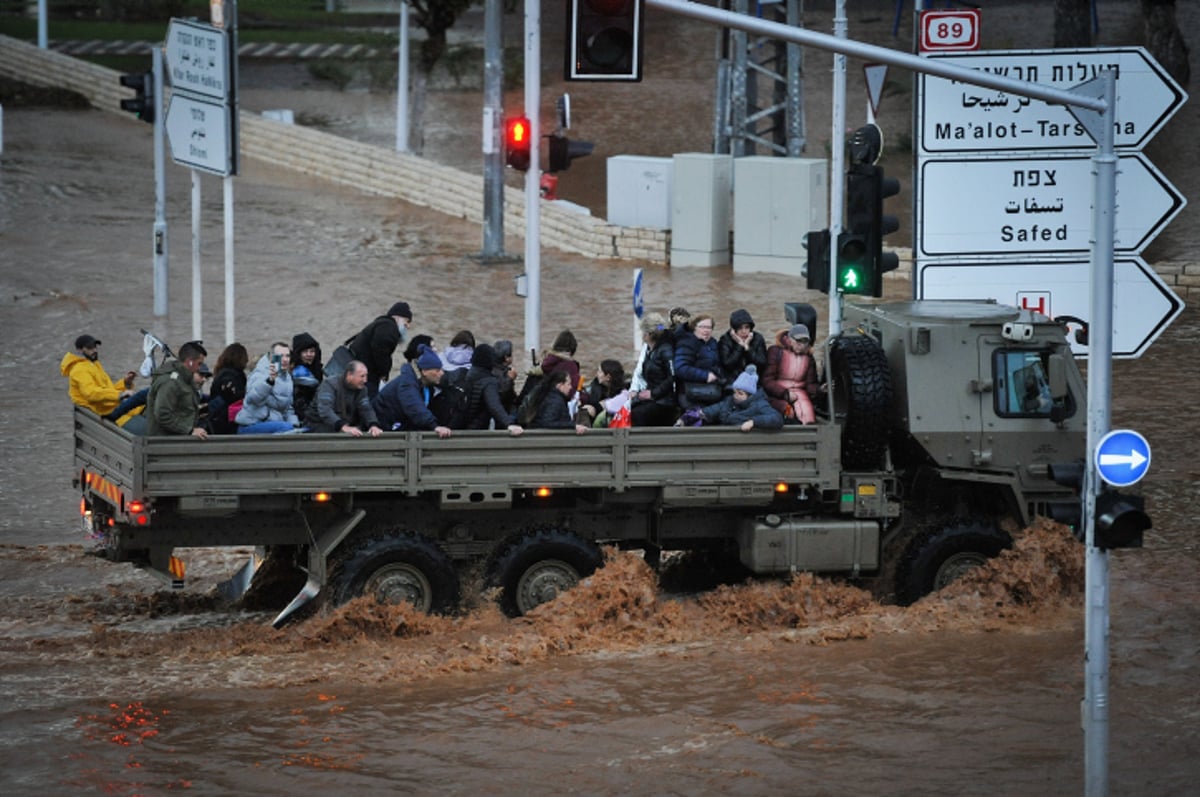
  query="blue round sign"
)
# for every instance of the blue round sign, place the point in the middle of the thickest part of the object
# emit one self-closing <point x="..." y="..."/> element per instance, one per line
<point x="1122" y="457"/>
<point x="639" y="306"/>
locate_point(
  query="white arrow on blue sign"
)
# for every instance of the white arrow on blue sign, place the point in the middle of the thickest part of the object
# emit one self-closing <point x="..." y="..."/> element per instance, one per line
<point x="1122" y="457"/>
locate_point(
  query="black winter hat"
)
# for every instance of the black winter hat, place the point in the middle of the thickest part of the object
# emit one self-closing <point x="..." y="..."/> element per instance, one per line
<point x="401" y="309"/>
<point x="739" y="317"/>
<point x="304" y="341"/>
<point x="483" y="356"/>
<point x="86" y="340"/>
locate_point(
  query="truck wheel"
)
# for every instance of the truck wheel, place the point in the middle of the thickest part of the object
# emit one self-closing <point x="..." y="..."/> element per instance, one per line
<point x="534" y="568"/>
<point x="404" y="568"/>
<point x="863" y="397"/>
<point x="939" y="558"/>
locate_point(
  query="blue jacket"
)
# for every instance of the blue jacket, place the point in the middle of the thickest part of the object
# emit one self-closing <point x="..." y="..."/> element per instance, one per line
<point x="756" y="408"/>
<point x="403" y="401"/>
<point x="695" y="359"/>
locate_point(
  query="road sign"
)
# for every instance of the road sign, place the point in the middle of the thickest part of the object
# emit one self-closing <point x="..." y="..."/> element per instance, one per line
<point x="876" y="76"/>
<point x="639" y="305"/>
<point x="949" y="31"/>
<point x="199" y="133"/>
<point x="198" y="59"/>
<point x="1122" y="457"/>
<point x="1143" y="305"/>
<point x="1024" y="206"/>
<point x="956" y="117"/>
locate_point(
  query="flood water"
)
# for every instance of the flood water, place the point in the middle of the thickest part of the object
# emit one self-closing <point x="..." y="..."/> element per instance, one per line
<point x="110" y="685"/>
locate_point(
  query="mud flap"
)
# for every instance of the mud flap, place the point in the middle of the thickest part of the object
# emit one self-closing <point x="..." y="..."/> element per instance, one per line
<point x="234" y="587"/>
<point x="318" y="565"/>
<point x="165" y="567"/>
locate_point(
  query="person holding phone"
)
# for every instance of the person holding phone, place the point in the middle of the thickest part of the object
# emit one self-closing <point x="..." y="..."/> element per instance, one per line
<point x="267" y="407"/>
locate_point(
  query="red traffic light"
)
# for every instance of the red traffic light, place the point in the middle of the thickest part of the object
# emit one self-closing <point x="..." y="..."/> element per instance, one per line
<point x="516" y="142"/>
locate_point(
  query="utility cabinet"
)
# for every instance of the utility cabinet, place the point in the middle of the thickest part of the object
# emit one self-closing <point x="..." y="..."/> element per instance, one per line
<point x="776" y="201"/>
<point x="700" y="209"/>
<point x="639" y="191"/>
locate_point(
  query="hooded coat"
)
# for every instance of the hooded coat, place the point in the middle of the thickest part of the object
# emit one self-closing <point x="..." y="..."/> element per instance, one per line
<point x="305" y="378"/>
<point x="173" y="405"/>
<point x="374" y="346"/>
<point x="729" y="412"/>
<point x="732" y="356"/>
<point x="265" y="401"/>
<point x="91" y="387"/>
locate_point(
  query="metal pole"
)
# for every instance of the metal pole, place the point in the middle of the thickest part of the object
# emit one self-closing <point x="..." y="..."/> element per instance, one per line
<point x="493" y="115"/>
<point x="918" y="7"/>
<point x="402" y="83"/>
<point x="1104" y="167"/>
<point x="823" y="41"/>
<point x="196" y="283"/>
<point x="837" y="166"/>
<point x="229" y="292"/>
<point x="533" y="253"/>
<point x="160" y="189"/>
<point x="43" y="22"/>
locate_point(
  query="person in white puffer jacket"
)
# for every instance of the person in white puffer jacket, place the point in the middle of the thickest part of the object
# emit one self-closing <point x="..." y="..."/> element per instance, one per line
<point x="267" y="408"/>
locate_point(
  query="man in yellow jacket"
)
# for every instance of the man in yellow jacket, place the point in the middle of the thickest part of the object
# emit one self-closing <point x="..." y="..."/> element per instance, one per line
<point x="93" y="388"/>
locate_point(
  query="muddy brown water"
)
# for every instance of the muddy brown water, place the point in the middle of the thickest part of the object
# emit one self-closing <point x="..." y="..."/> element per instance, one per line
<point x="110" y="685"/>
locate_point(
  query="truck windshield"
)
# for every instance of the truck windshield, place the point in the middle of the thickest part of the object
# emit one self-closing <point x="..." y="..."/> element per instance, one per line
<point x="1022" y="388"/>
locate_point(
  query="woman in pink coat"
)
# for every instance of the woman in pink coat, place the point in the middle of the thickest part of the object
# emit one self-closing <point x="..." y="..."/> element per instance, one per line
<point x="790" y="381"/>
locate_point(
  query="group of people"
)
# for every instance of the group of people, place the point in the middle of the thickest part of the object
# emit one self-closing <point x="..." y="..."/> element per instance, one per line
<point x="684" y="376"/>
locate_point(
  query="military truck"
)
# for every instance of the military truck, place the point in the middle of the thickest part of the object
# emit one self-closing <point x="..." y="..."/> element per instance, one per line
<point x="942" y="418"/>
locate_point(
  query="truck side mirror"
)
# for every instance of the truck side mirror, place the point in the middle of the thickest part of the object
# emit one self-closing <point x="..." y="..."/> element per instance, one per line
<point x="1056" y="374"/>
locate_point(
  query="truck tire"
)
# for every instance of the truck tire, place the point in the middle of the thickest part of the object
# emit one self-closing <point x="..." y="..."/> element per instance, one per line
<point x="396" y="568"/>
<point x="863" y="398"/>
<point x="534" y="568"/>
<point x="937" y="559"/>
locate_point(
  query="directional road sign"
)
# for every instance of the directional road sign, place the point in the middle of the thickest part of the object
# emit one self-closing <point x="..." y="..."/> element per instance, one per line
<point x="1122" y="457"/>
<point x="639" y="304"/>
<point x="957" y="117"/>
<point x="1029" y="206"/>
<point x="1143" y="306"/>
<point x="199" y="133"/>
<point x="198" y="59"/>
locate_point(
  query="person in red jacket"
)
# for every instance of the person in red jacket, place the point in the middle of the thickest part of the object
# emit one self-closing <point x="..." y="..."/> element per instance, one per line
<point x="791" y="382"/>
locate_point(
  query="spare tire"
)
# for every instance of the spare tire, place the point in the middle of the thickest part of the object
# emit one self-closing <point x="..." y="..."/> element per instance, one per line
<point x="862" y="385"/>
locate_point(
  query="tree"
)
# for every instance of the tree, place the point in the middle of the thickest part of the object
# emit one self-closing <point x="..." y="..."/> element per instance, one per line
<point x="435" y="17"/>
<point x="1164" y="40"/>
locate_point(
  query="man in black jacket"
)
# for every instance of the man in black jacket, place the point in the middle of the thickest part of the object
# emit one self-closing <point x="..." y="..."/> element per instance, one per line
<point x="342" y="405"/>
<point x="374" y="346"/>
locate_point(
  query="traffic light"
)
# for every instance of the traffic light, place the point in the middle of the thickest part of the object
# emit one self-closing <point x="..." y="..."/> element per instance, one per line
<point x="604" y="40"/>
<point x="563" y="150"/>
<point x="1119" y="520"/>
<point x="143" y="105"/>
<point x="866" y="188"/>
<point x="854" y="271"/>
<point x="516" y="143"/>
<point x="817" y="266"/>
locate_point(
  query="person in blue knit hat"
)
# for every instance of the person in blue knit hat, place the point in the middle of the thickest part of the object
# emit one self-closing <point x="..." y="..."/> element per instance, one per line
<point x="746" y="408"/>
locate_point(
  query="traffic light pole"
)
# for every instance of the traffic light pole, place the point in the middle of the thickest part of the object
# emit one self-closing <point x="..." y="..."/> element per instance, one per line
<point x="1104" y="166"/>
<point x="160" y="188"/>
<point x="533" y="253"/>
<point x="837" y="169"/>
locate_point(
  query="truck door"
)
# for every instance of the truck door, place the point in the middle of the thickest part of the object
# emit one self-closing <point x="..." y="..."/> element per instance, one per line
<point x="1019" y="426"/>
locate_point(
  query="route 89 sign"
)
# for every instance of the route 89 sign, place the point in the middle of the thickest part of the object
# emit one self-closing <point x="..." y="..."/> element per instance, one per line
<point x="950" y="31"/>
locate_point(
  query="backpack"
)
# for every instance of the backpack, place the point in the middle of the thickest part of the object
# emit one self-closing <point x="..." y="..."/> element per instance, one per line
<point x="450" y="405"/>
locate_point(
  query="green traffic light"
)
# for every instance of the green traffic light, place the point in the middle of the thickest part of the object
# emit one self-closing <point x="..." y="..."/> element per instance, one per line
<point x="849" y="280"/>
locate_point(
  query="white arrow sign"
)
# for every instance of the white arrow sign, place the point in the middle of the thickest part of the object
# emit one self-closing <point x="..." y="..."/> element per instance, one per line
<point x="1143" y="305"/>
<point x="1133" y="459"/>
<point x="197" y="59"/>
<point x="957" y="117"/>
<point x="199" y="133"/>
<point x="1036" y="206"/>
